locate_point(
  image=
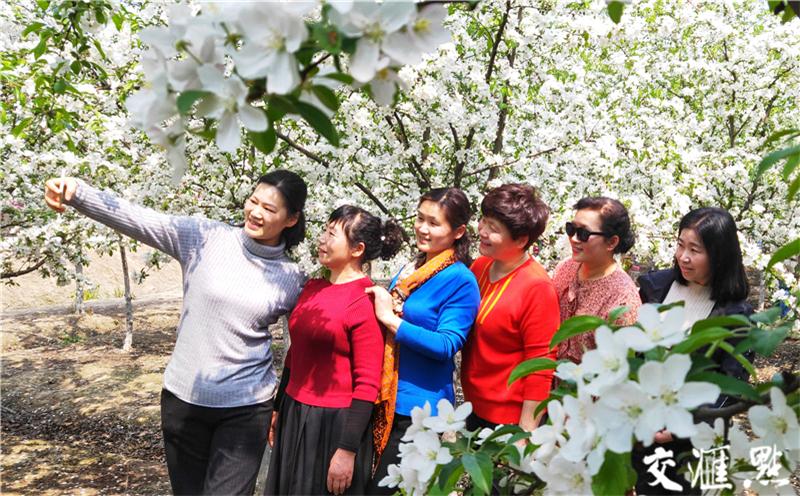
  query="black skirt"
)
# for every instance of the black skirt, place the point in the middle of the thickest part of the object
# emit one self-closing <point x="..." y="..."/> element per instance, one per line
<point x="306" y="439"/>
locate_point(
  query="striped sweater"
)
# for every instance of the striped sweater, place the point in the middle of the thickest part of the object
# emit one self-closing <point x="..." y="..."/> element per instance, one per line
<point x="233" y="289"/>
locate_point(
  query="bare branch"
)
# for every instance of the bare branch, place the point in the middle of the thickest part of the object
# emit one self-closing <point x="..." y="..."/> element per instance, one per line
<point x="313" y="156"/>
<point x="372" y="197"/>
<point x="791" y="384"/>
<point x="22" y="272"/>
<point x="497" y="39"/>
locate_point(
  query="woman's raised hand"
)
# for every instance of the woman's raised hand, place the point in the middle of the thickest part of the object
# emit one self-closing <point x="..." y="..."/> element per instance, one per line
<point x="59" y="190"/>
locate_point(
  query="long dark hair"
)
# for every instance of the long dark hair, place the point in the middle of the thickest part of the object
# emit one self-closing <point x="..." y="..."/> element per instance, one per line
<point x="381" y="239"/>
<point x="717" y="229"/>
<point x="294" y="192"/>
<point x="457" y="211"/>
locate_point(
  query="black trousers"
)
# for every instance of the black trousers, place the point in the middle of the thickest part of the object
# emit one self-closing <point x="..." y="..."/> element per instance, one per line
<point x="391" y="455"/>
<point x="213" y="450"/>
<point x="475" y="422"/>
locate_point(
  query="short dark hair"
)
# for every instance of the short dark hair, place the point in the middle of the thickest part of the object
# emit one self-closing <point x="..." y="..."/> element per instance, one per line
<point x="457" y="211"/>
<point x="518" y="207"/>
<point x="614" y="218"/>
<point x="717" y="229"/>
<point x="381" y="239"/>
<point x="294" y="192"/>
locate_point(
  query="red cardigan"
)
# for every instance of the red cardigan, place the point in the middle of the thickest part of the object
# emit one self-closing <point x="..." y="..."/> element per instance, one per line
<point x="337" y="345"/>
<point x="518" y="317"/>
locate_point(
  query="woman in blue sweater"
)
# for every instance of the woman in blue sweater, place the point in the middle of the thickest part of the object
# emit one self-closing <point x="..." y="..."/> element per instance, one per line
<point x="428" y="311"/>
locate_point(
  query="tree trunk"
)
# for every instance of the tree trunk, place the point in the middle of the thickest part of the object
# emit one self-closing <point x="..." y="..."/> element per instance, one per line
<point x="79" y="288"/>
<point x="128" y="343"/>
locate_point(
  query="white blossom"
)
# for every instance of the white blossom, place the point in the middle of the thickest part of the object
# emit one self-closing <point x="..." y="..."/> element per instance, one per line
<point x="673" y="397"/>
<point x="655" y="330"/>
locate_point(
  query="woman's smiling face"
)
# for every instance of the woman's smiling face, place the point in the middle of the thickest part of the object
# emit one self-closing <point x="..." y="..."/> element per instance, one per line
<point x="433" y="232"/>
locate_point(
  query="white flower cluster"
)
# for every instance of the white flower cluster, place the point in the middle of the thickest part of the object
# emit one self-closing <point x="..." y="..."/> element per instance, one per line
<point x="777" y="431"/>
<point x="218" y="54"/>
<point x="423" y="451"/>
<point x="610" y="412"/>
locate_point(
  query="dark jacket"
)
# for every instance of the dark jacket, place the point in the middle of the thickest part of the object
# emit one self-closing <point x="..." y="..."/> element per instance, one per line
<point x="653" y="288"/>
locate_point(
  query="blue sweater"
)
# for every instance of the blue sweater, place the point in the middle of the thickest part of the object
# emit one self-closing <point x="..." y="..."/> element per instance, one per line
<point x="436" y="320"/>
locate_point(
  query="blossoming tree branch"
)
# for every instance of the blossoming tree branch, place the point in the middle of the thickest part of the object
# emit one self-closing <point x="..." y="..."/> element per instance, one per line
<point x="249" y="65"/>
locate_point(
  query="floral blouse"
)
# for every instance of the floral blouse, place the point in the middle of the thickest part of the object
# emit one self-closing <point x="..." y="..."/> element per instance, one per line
<point x="596" y="297"/>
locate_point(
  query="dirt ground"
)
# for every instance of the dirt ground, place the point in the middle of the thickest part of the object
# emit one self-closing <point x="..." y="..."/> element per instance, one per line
<point x="79" y="416"/>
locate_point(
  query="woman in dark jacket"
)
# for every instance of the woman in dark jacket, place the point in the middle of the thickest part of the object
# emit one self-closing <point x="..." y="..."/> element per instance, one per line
<point x="709" y="277"/>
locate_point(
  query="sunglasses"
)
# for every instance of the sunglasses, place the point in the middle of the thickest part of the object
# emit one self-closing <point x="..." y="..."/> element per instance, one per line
<point x="583" y="233"/>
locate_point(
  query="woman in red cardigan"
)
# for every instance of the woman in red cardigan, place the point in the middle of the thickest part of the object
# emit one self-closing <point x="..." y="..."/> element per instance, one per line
<point x="518" y="315"/>
<point x="320" y="431"/>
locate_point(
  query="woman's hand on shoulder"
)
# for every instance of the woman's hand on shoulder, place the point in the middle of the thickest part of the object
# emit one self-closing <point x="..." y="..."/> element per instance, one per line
<point x="59" y="190"/>
<point x="384" y="308"/>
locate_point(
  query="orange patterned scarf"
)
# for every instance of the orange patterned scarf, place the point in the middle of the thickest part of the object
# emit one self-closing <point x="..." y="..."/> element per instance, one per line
<point x="387" y="396"/>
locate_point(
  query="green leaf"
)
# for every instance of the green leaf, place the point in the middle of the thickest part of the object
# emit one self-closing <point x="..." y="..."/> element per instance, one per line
<point x="32" y="28"/>
<point x="764" y="341"/>
<point x="479" y="467"/>
<point x="100" y="50"/>
<point x="774" y="158"/>
<point x="188" y="98"/>
<point x="739" y="358"/>
<point x="616" y="313"/>
<point x="279" y="106"/>
<point x="615" y="11"/>
<point x="319" y="121"/>
<point x="75" y="67"/>
<point x="788" y="13"/>
<point x="449" y="475"/>
<point x="732" y="321"/>
<point x="39" y="49"/>
<point x="349" y="45"/>
<point x="306" y="53"/>
<point x="60" y="86"/>
<point x="340" y="76"/>
<point x="43" y="4"/>
<point x="574" y="326"/>
<point x="700" y="339"/>
<point x="790" y="249"/>
<point x="791" y="133"/>
<point x="328" y="37"/>
<point x="100" y="16"/>
<point x="117" y="19"/>
<point x="729" y="385"/>
<point x="700" y="363"/>
<point x="616" y="475"/>
<point x="768" y="316"/>
<point x="502" y="431"/>
<point x="19" y="128"/>
<point x="664" y="307"/>
<point x="264" y="141"/>
<point x="790" y="166"/>
<point x="326" y="96"/>
<point x="793" y="188"/>
<point x="528" y="367"/>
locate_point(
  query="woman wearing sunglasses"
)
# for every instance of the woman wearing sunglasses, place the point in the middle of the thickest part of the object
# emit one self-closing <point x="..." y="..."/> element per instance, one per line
<point x="591" y="282"/>
<point x="518" y="314"/>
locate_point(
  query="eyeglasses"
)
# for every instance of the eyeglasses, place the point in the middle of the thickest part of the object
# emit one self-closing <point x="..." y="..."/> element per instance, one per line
<point x="583" y="233"/>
